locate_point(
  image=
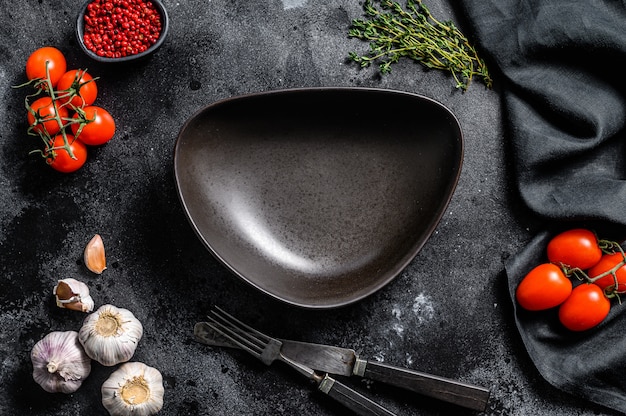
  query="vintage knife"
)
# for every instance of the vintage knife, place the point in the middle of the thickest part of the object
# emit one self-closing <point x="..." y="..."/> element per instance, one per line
<point x="344" y="361"/>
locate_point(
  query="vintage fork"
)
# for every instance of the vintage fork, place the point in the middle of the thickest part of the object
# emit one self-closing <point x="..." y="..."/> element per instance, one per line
<point x="267" y="349"/>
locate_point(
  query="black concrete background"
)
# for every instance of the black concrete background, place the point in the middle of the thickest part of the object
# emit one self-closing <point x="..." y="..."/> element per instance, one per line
<point x="447" y="313"/>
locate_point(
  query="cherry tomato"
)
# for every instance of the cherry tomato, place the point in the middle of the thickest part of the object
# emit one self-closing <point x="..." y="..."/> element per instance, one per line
<point x="544" y="287"/>
<point x="577" y="248"/>
<point x="59" y="159"/>
<point x="98" y="131"/>
<point x="585" y="308"/>
<point x="36" y="64"/>
<point x="608" y="282"/>
<point x="45" y="109"/>
<point x="81" y="87"/>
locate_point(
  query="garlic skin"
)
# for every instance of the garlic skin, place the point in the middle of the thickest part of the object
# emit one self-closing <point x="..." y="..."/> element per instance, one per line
<point x="72" y="294"/>
<point x="134" y="389"/>
<point x="110" y="335"/>
<point x="94" y="256"/>
<point x="59" y="362"/>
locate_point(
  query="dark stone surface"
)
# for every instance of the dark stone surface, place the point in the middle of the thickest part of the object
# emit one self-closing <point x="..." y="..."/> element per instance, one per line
<point x="447" y="313"/>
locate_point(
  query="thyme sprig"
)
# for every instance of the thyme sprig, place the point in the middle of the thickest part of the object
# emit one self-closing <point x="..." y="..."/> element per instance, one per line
<point x="395" y="32"/>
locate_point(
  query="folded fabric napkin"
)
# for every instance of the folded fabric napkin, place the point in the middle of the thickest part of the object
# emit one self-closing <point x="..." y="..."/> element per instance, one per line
<point x="564" y="98"/>
<point x="563" y="86"/>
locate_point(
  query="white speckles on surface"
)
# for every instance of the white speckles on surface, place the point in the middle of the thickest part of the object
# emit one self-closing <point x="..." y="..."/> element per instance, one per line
<point x="419" y="311"/>
<point x="409" y="360"/>
<point x="423" y="308"/>
<point x="290" y="4"/>
<point x="379" y="356"/>
<point x="398" y="328"/>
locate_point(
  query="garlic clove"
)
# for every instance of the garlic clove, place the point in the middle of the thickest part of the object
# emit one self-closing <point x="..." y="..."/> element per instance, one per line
<point x="73" y="294"/>
<point x="110" y="335"/>
<point x="94" y="256"/>
<point x="59" y="362"/>
<point x="134" y="389"/>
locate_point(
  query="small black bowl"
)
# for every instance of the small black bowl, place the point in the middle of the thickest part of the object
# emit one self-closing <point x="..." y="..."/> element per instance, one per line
<point x="80" y="30"/>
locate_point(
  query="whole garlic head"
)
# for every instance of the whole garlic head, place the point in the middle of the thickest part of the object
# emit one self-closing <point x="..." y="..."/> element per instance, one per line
<point x="72" y="294"/>
<point x="110" y="335"/>
<point x="59" y="362"/>
<point x="134" y="389"/>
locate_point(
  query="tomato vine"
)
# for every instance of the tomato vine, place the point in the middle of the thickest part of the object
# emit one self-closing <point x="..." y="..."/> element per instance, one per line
<point x="56" y="110"/>
<point x="598" y="265"/>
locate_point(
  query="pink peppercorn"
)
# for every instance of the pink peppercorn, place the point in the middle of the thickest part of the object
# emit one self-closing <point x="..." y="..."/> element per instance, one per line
<point x="119" y="28"/>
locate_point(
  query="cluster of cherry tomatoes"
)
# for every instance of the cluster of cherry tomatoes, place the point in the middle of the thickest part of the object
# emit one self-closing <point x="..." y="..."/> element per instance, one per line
<point x="61" y="111"/>
<point x="582" y="277"/>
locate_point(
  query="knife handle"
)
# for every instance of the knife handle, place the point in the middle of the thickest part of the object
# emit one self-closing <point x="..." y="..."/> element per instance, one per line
<point x="352" y="399"/>
<point x="451" y="391"/>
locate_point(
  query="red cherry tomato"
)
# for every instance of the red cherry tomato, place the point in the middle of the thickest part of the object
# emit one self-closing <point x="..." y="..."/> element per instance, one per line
<point x="45" y="120"/>
<point x="577" y="248"/>
<point x="59" y="159"/>
<point x="98" y="131"/>
<point x="36" y="64"/>
<point x="78" y="85"/>
<point x="585" y="308"/>
<point x="610" y="283"/>
<point x="544" y="287"/>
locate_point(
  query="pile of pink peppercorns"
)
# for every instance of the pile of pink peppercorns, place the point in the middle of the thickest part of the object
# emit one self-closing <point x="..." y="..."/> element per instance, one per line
<point x="119" y="28"/>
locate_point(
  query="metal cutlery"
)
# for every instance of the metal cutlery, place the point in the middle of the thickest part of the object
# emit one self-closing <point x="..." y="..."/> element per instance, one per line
<point x="268" y="350"/>
<point x="344" y="361"/>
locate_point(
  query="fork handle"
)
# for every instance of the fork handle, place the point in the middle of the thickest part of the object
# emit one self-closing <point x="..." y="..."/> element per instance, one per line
<point x="451" y="391"/>
<point x="352" y="399"/>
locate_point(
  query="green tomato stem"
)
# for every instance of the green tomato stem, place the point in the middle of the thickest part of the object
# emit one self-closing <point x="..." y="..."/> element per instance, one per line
<point x="57" y="117"/>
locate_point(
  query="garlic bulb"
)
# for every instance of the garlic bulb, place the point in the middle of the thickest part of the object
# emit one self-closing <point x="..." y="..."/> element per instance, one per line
<point x="72" y="294"/>
<point x="134" y="389"/>
<point x="59" y="362"/>
<point x="110" y="335"/>
<point x="94" y="256"/>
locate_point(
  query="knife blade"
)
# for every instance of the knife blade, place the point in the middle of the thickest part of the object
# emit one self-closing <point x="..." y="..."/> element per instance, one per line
<point x="345" y="361"/>
<point x="269" y="350"/>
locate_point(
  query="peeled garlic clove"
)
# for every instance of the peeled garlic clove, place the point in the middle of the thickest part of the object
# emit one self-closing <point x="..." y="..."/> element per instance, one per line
<point x="110" y="335"/>
<point x="59" y="362"/>
<point x="94" y="256"/>
<point x="72" y="294"/>
<point x="134" y="389"/>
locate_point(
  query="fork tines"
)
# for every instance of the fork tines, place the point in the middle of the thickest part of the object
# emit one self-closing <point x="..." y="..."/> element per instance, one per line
<point x="244" y="336"/>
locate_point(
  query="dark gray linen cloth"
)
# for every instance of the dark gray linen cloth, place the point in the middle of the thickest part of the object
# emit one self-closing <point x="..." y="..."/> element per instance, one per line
<point x="564" y="95"/>
<point x="560" y="69"/>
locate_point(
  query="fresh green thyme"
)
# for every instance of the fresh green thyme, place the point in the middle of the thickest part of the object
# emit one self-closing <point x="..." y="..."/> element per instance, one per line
<point x="395" y="32"/>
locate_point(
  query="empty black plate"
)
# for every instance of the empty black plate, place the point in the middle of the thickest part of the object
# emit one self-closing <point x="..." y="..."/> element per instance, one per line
<point x="318" y="196"/>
